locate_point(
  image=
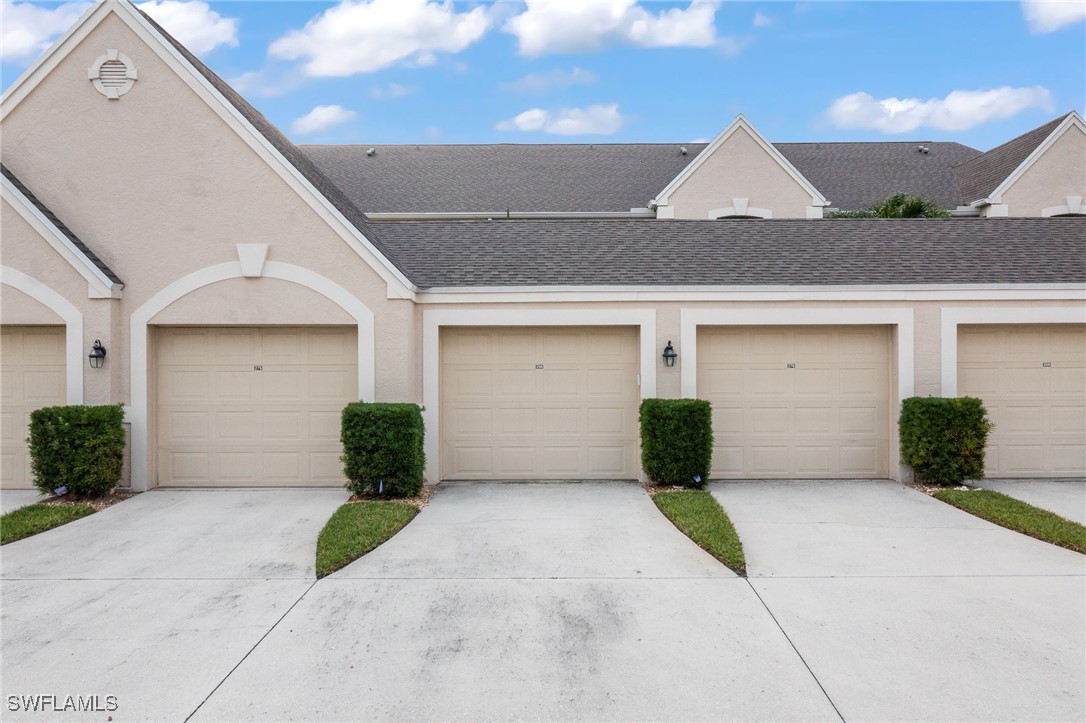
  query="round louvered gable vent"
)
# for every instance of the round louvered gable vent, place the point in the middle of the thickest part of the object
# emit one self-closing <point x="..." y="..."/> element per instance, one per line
<point x="113" y="74"/>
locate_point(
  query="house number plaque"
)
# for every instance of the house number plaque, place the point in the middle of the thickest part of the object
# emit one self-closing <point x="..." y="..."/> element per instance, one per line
<point x="258" y="368"/>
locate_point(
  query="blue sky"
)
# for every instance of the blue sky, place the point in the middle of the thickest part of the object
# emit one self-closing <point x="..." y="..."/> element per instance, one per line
<point x="407" y="71"/>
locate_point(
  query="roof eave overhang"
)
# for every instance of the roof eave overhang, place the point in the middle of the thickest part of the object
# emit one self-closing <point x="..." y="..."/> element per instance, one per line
<point x="99" y="286"/>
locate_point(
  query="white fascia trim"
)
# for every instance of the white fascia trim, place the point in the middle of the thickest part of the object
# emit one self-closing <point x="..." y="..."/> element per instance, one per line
<point x="399" y="286"/>
<point x="503" y="215"/>
<point x="99" y="286"/>
<point x="434" y="319"/>
<point x="817" y="199"/>
<point x="952" y="317"/>
<point x="902" y="319"/>
<point x="1073" y="119"/>
<point x="141" y="318"/>
<point x="589" y="294"/>
<point x="73" y="325"/>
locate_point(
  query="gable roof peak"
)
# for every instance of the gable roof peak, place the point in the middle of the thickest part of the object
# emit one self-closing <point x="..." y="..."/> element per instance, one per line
<point x="984" y="178"/>
<point x="740" y="121"/>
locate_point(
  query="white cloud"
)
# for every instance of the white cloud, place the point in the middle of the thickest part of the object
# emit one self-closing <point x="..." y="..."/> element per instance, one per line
<point x="268" y="82"/>
<point x="761" y="20"/>
<point x="593" y="120"/>
<point x="1045" y="16"/>
<point x="27" y="29"/>
<point x="320" y="118"/>
<point x="194" y="24"/>
<point x="550" y="80"/>
<point x="958" y="111"/>
<point x="364" y="36"/>
<point x="391" y="91"/>
<point x="547" y="26"/>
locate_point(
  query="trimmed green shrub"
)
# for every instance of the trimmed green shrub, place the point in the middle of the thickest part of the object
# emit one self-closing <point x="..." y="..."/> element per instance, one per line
<point x="78" y="447"/>
<point x="382" y="448"/>
<point x="677" y="441"/>
<point x="943" y="438"/>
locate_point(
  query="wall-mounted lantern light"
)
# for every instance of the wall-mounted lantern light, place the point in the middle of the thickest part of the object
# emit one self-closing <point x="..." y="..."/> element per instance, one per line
<point x="670" y="355"/>
<point x="97" y="355"/>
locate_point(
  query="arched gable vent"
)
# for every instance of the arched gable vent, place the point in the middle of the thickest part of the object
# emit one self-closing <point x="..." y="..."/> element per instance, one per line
<point x="113" y="74"/>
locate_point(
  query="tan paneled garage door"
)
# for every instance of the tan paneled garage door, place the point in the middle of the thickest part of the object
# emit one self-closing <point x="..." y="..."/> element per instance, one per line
<point x="1032" y="379"/>
<point x="32" y="375"/>
<point x="796" y="402"/>
<point x="539" y="403"/>
<point x="253" y="406"/>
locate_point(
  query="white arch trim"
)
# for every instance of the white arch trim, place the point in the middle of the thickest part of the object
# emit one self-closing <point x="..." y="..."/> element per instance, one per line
<point x="211" y="275"/>
<point x="73" y="324"/>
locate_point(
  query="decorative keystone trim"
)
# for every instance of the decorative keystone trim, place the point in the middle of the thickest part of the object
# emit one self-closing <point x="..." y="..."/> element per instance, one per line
<point x="1073" y="206"/>
<point x="740" y="207"/>
<point x="252" y="257"/>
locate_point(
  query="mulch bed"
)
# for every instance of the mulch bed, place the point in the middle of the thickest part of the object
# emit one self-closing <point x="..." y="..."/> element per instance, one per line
<point x="98" y="503"/>
<point x="654" y="490"/>
<point x="420" y="500"/>
<point x="929" y="488"/>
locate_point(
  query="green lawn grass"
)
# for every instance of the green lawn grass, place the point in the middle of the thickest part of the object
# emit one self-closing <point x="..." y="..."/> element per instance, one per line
<point x="700" y="517"/>
<point x="1018" y="516"/>
<point x="356" y="528"/>
<point x="32" y="519"/>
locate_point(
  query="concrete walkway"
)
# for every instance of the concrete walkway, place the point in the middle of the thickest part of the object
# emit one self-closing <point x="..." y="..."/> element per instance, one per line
<point x="908" y="609"/>
<point x="527" y="602"/>
<point x="14" y="499"/>
<point x="1065" y="497"/>
<point x="156" y="599"/>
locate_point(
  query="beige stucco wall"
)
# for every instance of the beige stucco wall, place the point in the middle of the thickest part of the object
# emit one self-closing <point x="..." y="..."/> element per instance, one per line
<point x="1058" y="173"/>
<point x="22" y="248"/>
<point x="740" y="168"/>
<point x="160" y="187"/>
<point x="16" y="308"/>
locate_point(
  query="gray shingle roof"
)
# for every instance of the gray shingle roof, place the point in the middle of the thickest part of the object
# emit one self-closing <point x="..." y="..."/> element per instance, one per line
<point x="774" y="253"/>
<point x="499" y="177"/>
<point x="280" y="142"/>
<point x="980" y="176"/>
<point x="60" y="225"/>
<point x="494" y="178"/>
<point x="854" y="175"/>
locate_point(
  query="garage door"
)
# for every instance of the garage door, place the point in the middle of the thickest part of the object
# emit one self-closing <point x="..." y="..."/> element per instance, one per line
<point x="253" y="406"/>
<point x="539" y="403"/>
<point x="32" y="375"/>
<point x="1032" y="379"/>
<point x="797" y="402"/>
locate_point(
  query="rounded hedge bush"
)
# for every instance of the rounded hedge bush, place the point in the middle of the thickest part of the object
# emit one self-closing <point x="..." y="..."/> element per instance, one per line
<point x="78" y="447"/>
<point x="383" y="448"/>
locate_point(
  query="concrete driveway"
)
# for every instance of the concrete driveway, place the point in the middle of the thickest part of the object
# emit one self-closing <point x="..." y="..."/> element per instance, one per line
<point x="1065" y="497"/>
<point x="908" y="609"/>
<point x="527" y="602"/>
<point x="14" y="499"/>
<point x="154" y="600"/>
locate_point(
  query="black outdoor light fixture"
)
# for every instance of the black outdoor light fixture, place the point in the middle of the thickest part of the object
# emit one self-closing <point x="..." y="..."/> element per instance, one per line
<point x="97" y="355"/>
<point x="669" y="355"/>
